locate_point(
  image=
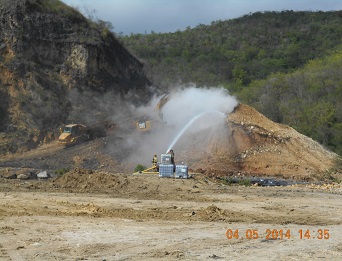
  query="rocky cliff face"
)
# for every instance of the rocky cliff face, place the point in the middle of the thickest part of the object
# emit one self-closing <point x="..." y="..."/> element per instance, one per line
<point x="49" y="52"/>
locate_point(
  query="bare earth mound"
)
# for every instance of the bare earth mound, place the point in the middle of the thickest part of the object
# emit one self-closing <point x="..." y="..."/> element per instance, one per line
<point x="271" y="148"/>
<point x="254" y="145"/>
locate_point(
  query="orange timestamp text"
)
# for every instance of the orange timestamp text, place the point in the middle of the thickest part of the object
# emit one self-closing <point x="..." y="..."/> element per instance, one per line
<point x="272" y="234"/>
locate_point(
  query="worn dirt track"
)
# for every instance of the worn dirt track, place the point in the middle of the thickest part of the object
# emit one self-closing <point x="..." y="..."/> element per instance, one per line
<point x="102" y="216"/>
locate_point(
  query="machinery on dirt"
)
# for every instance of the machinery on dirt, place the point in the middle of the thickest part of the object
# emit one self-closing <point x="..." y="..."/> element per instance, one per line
<point x="146" y="125"/>
<point x="143" y="125"/>
<point x="73" y="134"/>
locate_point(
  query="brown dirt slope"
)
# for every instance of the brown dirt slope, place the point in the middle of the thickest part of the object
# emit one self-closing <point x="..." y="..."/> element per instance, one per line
<point x="265" y="147"/>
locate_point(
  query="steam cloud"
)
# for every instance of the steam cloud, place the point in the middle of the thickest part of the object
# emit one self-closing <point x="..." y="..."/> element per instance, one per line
<point x="204" y="108"/>
<point x="188" y="103"/>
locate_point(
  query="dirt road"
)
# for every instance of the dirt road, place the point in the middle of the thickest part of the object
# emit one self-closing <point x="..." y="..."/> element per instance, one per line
<point x="128" y="217"/>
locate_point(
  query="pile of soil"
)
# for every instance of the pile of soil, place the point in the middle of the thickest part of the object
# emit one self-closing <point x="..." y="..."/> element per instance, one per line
<point x="266" y="147"/>
<point x="85" y="180"/>
<point x="140" y="186"/>
<point x="253" y="145"/>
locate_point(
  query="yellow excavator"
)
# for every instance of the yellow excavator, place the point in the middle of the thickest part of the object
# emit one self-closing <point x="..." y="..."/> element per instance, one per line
<point x="145" y="126"/>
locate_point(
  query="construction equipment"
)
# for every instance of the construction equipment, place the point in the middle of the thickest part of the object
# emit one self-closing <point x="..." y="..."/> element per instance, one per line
<point x="143" y="126"/>
<point x="163" y="100"/>
<point x="146" y="125"/>
<point x="73" y="134"/>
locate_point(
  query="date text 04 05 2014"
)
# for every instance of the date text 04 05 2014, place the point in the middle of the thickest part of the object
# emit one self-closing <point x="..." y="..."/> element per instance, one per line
<point x="271" y="234"/>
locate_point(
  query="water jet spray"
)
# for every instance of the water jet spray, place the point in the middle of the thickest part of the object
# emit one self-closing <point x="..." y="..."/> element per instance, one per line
<point x="189" y="124"/>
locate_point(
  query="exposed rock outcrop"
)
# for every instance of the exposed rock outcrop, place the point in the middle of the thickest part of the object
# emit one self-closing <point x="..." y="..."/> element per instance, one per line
<point x="49" y="51"/>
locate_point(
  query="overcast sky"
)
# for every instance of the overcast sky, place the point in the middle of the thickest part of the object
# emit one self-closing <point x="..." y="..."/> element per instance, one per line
<point x="144" y="16"/>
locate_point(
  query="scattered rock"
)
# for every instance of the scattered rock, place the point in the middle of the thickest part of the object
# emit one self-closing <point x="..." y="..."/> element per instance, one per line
<point x="215" y="256"/>
<point x="9" y="175"/>
<point x="23" y="176"/>
<point x="43" y="175"/>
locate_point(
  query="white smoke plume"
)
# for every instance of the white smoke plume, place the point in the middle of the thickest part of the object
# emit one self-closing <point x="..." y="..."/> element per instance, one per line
<point x="187" y="111"/>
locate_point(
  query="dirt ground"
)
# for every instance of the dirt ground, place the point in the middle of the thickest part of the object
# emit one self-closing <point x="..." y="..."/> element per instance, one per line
<point x="98" y="210"/>
<point x="86" y="215"/>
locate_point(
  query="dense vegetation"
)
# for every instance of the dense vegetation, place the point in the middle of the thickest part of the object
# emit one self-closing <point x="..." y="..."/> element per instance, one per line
<point x="309" y="99"/>
<point x="238" y="50"/>
<point x="286" y="64"/>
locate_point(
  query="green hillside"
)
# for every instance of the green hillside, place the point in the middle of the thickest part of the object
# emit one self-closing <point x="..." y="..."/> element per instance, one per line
<point x="286" y="64"/>
<point x="309" y="99"/>
<point x="239" y="50"/>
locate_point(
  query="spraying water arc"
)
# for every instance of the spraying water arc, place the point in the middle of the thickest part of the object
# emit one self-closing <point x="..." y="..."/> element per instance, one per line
<point x="189" y="124"/>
